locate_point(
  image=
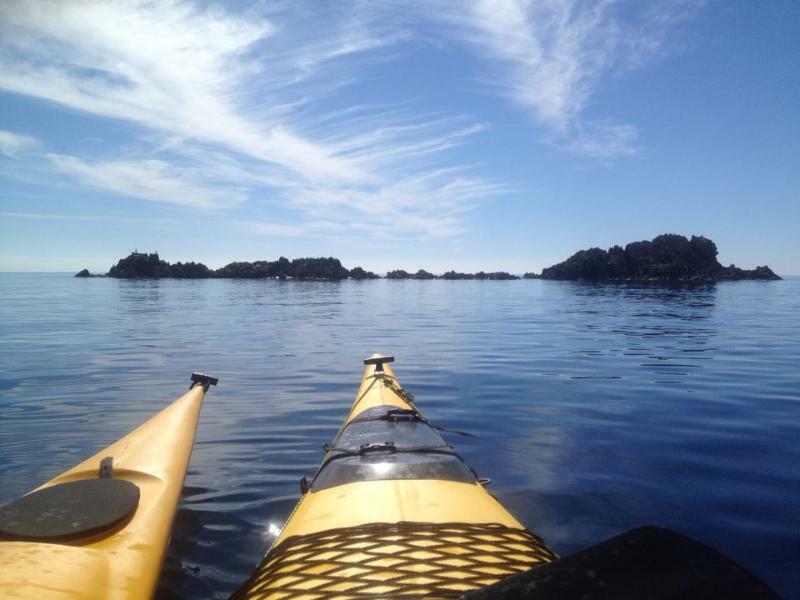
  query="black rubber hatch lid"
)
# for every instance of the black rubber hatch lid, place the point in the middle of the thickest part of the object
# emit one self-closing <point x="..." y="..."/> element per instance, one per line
<point x="69" y="510"/>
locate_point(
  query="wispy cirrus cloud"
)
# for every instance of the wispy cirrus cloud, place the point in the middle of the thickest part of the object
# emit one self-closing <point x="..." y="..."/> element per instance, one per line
<point x="222" y="100"/>
<point x="550" y="57"/>
<point x="154" y="180"/>
<point x="169" y="66"/>
<point x="53" y="216"/>
<point x="601" y="140"/>
<point x="13" y="144"/>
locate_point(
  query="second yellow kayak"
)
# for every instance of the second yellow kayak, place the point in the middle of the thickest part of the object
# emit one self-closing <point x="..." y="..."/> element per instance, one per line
<point x="101" y="529"/>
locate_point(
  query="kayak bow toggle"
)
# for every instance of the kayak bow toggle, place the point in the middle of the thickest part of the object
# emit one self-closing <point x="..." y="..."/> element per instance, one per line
<point x="204" y="380"/>
<point x="378" y="360"/>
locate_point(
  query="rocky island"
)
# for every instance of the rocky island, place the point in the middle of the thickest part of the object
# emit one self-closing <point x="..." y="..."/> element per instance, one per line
<point x="666" y="258"/>
<point x="143" y="265"/>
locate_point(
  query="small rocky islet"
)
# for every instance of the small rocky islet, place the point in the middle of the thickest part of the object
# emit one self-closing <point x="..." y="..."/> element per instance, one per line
<point x="423" y="274"/>
<point x="665" y="258"/>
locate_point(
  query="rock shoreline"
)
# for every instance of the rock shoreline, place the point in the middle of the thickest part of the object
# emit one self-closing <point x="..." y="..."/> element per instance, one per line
<point x="665" y="258"/>
<point x="142" y="265"/>
<point x="451" y="275"/>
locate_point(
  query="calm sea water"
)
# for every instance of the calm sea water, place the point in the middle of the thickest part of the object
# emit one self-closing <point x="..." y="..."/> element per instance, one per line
<point x="596" y="408"/>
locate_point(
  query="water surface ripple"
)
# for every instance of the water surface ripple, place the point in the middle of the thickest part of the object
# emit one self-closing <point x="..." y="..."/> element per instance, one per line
<point x="596" y="407"/>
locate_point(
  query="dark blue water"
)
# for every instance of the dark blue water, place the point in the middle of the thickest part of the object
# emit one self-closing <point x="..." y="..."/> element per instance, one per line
<point x="596" y="407"/>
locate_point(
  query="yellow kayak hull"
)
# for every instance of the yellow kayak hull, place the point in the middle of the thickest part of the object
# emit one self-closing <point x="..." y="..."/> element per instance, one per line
<point x="126" y="561"/>
<point x="393" y="537"/>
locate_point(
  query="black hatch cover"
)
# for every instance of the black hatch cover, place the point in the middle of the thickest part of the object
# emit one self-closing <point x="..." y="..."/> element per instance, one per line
<point x="69" y="510"/>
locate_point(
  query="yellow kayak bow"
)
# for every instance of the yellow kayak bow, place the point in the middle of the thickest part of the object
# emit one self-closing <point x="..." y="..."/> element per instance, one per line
<point x="392" y="511"/>
<point x="101" y="529"/>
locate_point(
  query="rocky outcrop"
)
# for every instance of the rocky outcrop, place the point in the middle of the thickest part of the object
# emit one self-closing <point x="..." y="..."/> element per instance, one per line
<point x="734" y="273"/>
<point x="450" y="275"/>
<point x="399" y="274"/>
<point x="299" y="268"/>
<point x="359" y="273"/>
<point x="498" y="275"/>
<point x="149" y="265"/>
<point x="87" y="273"/>
<point x="453" y="275"/>
<point x="139" y="265"/>
<point x="260" y="269"/>
<point x="668" y="257"/>
<point x="189" y="270"/>
<point x="318" y="268"/>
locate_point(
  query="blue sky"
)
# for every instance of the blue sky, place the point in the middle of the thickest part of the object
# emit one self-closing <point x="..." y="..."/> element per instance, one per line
<point x="484" y="134"/>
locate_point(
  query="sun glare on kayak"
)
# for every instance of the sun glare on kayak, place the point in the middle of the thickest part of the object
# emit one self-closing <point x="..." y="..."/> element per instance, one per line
<point x="381" y="468"/>
<point x="273" y="530"/>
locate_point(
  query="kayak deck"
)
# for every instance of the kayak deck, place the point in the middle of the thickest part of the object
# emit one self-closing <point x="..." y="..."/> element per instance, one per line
<point x="392" y="511"/>
<point x="125" y="560"/>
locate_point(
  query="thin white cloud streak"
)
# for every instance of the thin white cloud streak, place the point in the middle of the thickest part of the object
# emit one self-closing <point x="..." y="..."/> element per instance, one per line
<point x="552" y="52"/>
<point x="52" y="217"/>
<point x="432" y="204"/>
<point x="208" y="84"/>
<point x="603" y="141"/>
<point x="550" y="57"/>
<point x="13" y="145"/>
<point x="153" y="180"/>
<point x="289" y="230"/>
<point x="91" y="218"/>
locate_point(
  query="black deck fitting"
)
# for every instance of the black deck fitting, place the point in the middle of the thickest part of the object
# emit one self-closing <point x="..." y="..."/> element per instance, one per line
<point x="204" y="380"/>
<point x="378" y="362"/>
<point x="106" y="468"/>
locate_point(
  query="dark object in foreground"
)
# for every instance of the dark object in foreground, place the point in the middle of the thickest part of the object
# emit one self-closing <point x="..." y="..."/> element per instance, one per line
<point x="643" y="563"/>
<point x="667" y="257"/>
